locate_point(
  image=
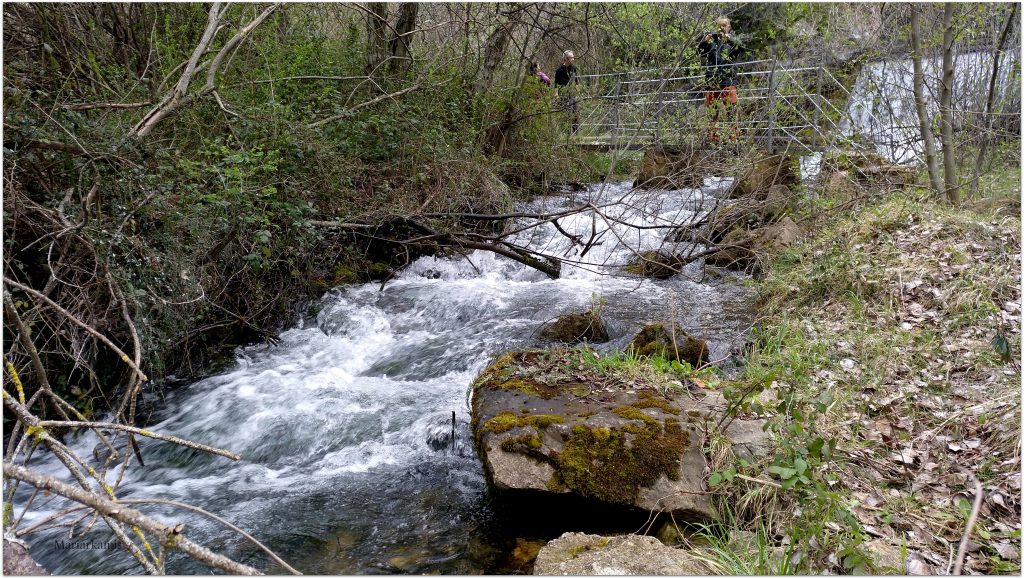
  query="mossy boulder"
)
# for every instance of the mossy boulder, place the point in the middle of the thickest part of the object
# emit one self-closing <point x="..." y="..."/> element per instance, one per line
<point x="867" y="166"/>
<point x="657" y="340"/>
<point x="541" y="422"/>
<point x="573" y="328"/>
<point x="763" y="171"/>
<point x="582" y="554"/>
<point x="746" y="213"/>
<point x="669" y="168"/>
<point x="655" y="264"/>
<point x="742" y="250"/>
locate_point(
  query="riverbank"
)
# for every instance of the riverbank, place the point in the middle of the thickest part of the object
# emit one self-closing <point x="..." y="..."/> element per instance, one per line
<point x="887" y="352"/>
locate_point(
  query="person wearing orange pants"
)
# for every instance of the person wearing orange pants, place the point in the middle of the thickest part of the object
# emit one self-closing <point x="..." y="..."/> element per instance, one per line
<point x="720" y="50"/>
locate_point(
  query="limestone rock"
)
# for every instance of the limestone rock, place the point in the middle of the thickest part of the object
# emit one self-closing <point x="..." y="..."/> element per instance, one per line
<point x="765" y="171"/>
<point x="887" y="559"/>
<point x="745" y="213"/>
<point x="655" y="264"/>
<point x="582" y="554"/>
<point x="572" y="432"/>
<point x="573" y="328"/>
<point x="669" y="168"/>
<point x="656" y="339"/>
<point x="742" y="248"/>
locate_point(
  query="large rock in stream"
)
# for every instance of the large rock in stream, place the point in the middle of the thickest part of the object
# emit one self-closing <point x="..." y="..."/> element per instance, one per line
<point x="542" y="421"/>
<point x="763" y="171"/>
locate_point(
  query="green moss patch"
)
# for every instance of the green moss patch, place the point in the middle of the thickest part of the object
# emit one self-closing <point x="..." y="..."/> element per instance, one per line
<point x="505" y="421"/>
<point x="613" y="464"/>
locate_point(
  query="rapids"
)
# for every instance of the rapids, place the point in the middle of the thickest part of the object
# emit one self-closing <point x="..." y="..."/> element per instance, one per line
<point x="345" y="426"/>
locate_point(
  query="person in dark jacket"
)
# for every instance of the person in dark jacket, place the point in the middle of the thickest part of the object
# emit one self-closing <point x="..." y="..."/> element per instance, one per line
<point x="567" y="83"/>
<point x="720" y="50"/>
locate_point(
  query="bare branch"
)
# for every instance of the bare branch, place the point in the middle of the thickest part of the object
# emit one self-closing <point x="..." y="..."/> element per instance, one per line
<point x="169" y="537"/>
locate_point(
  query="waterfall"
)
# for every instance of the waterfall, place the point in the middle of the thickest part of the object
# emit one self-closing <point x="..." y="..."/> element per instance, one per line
<point x="881" y="106"/>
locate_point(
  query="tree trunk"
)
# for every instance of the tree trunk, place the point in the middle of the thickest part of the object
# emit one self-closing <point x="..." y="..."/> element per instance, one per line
<point x="946" y="104"/>
<point x="494" y="52"/>
<point x="377" y="49"/>
<point x="922" y="112"/>
<point x="990" y="103"/>
<point x="402" y="39"/>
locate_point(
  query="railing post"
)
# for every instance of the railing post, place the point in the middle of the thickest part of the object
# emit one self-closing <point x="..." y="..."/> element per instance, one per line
<point x="771" y="105"/>
<point x="817" y="105"/>
<point x="615" y="112"/>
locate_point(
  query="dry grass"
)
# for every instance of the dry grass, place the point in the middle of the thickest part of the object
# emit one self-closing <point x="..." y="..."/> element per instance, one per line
<point x="894" y="309"/>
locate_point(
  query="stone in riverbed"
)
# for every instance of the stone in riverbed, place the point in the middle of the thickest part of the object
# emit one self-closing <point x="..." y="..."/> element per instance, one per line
<point x="539" y="426"/>
<point x="574" y="328"/>
<point x="655" y="339"/>
<point x="582" y="554"/>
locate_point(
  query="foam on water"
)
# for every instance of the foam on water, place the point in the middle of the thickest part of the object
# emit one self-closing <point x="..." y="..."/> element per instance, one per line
<point x="349" y="420"/>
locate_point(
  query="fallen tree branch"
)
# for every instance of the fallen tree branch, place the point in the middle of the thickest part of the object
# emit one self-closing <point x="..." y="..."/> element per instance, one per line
<point x="140" y="432"/>
<point x="170" y="537"/>
<point x="205" y="513"/>
<point x="91" y="106"/>
<point x="370" y="102"/>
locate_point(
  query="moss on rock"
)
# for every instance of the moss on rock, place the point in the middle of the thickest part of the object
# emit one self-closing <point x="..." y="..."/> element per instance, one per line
<point x="613" y="464"/>
<point x="656" y="340"/>
<point x="573" y="328"/>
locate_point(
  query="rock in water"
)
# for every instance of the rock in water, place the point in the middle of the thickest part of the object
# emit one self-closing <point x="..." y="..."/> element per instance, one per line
<point x="581" y="554"/>
<point x="656" y="340"/>
<point x="742" y="248"/>
<point x="764" y="172"/>
<point x="669" y="168"/>
<point x="574" y="328"/>
<point x="571" y="432"/>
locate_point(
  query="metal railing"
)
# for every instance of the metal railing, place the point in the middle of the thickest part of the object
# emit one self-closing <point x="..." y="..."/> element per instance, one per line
<point x="665" y="105"/>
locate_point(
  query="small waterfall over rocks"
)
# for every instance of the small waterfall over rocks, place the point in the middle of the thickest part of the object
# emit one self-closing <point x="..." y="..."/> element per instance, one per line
<point x="881" y="105"/>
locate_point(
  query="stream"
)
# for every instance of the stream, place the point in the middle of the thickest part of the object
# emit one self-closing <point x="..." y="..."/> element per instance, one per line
<point x="345" y="427"/>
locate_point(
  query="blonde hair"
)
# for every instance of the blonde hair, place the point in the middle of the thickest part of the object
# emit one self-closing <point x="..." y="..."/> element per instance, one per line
<point x="723" y="20"/>
<point x="568" y="54"/>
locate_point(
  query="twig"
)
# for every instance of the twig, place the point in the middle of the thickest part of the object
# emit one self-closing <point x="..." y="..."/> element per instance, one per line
<point x="124" y="357"/>
<point x="219" y="520"/>
<point x="979" y="495"/>
<point x="140" y="432"/>
<point x="169" y="536"/>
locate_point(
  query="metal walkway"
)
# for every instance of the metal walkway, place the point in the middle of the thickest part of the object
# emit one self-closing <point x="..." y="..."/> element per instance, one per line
<point x="777" y="107"/>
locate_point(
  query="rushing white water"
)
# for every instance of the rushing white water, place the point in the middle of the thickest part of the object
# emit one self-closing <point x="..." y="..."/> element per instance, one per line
<point x="881" y="106"/>
<point x="345" y="426"/>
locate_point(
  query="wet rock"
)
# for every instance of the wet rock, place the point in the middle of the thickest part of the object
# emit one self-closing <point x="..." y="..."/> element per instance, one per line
<point x="524" y="554"/>
<point x="741" y="249"/>
<point x="669" y="168"/>
<point x="574" y="328"/>
<point x="765" y="171"/>
<point x="745" y="213"/>
<point x="670" y="534"/>
<point x="18" y="561"/>
<point x="581" y="554"/>
<point x="655" y="264"/>
<point x="569" y="432"/>
<point x="657" y="340"/>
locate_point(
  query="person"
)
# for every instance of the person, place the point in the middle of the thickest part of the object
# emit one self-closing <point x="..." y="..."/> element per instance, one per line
<point x="537" y="72"/>
<point x="720" y="50"/>
<point x="567" y="83"/>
